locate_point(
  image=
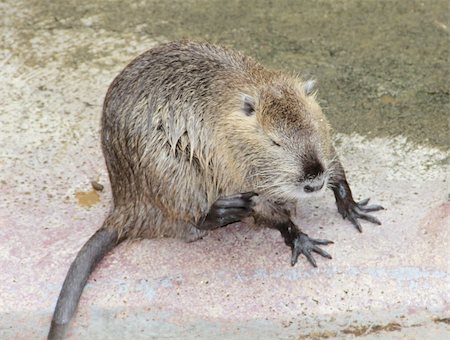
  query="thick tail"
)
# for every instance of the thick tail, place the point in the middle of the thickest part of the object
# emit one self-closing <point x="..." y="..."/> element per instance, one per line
<point x="87" y="258"/>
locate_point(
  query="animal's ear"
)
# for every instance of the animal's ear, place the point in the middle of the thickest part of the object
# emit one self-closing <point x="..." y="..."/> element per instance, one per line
<point x="308" y="87"/>
<point x="248" y="105"/>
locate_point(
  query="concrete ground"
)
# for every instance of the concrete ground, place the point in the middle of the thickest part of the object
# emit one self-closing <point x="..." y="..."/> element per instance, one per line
<point x="390" y="282"/>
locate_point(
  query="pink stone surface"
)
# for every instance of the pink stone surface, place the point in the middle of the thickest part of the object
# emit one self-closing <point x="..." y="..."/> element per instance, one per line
<point x="237" y="282"/>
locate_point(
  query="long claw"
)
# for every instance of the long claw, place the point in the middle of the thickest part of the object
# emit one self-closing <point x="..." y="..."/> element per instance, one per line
<point x="355" y="222"/>
<point x="311" y="260"/>
<point x="321" y="252"/>
<point x="236" y="201"/>
<point x="369" y="218"/>
<point x="369" y="208"/>
<point x="295" y="255"/>
<point x="363" y="202"/>
<point x="248" y="195"/>
<point x="322" y="241"/>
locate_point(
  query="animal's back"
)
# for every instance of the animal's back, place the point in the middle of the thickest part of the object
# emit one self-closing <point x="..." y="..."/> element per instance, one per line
<point x="179" y="74"/>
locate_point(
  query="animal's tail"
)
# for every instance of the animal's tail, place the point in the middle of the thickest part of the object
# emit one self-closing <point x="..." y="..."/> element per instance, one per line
<point x="87" y="258"/>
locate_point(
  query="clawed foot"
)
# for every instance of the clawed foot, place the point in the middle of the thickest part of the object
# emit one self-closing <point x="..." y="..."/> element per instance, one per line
<point x="228" y="209"/>
<point x="303" y="244"/>
<point x="354" y="210"/>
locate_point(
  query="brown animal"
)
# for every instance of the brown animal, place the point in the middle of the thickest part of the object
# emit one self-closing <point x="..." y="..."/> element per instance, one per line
<point x="197" y="136"/>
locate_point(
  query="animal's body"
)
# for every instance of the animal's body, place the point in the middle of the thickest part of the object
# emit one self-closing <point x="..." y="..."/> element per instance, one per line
<point x="197" y="136"/>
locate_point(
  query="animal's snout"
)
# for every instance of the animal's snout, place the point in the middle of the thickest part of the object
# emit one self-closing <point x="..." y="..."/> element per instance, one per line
<point x="313" y="168"/>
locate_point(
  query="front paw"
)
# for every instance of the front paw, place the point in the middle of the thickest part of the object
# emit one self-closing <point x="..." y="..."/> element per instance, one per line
<point x="352" y="210"/>
<point x="229" y="209"/>
<point x="303" y="244"/>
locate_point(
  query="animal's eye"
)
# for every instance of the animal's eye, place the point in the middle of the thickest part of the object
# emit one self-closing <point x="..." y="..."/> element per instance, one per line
<point x="275" y="143"/>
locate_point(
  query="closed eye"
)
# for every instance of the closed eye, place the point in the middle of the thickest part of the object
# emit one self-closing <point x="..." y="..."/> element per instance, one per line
<point x="275" y="143"/>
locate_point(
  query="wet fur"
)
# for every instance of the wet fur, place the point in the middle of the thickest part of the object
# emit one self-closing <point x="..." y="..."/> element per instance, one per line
<point x="175" y="138"/>
<point x="177" y="133"/>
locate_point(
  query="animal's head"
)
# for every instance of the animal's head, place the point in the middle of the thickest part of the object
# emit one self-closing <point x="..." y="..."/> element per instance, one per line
<point x="280" y="140"/>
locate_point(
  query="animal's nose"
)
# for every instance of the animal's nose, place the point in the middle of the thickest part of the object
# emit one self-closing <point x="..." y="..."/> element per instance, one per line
<point x="308" y="188"/>
<point x="313" y="168"/>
